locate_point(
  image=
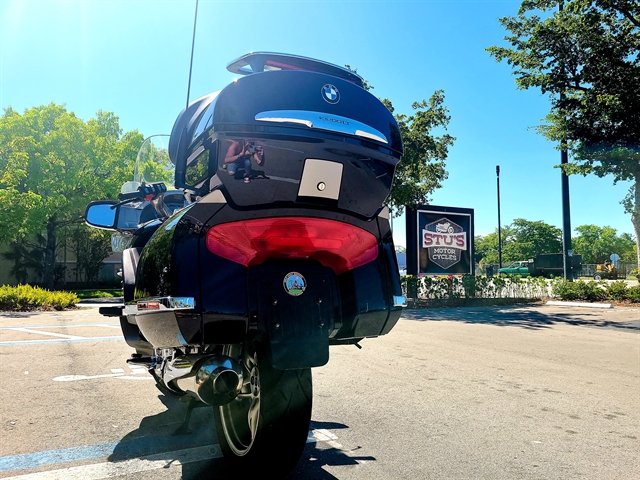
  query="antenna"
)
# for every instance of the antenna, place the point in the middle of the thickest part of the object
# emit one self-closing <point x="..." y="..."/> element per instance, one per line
<point x="193" y="44"/>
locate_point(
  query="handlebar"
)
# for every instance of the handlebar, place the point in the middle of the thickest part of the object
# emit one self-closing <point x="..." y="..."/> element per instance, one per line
<point x="146" y="191"/>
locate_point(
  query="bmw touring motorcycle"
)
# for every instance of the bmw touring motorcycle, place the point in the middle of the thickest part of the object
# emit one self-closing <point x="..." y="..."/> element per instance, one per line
<point x="273" y="246"/>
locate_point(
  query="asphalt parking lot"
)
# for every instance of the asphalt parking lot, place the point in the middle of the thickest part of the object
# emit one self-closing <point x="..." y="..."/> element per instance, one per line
<point x="490" y="392"/>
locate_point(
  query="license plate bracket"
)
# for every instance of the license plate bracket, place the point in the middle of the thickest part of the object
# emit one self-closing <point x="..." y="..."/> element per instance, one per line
<point x="297" y="322"/>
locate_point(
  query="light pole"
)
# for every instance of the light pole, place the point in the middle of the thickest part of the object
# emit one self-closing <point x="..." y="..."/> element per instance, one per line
<point x="499" y="228"/>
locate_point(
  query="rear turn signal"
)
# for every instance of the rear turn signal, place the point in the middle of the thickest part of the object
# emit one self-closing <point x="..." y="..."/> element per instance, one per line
<point x="339" y="246"/>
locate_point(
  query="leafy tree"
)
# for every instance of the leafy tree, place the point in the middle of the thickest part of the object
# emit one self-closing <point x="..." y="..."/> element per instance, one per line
<point x="90" y="246"/>
<point x="586" y="56"/>
<point x="25" y="257"/>
<point x="596" y="244"/>
<point x="526" y="239"/>
<point x="422" y="168"/>
<point x="51" y="165"/>
<point x="521" y="240"/>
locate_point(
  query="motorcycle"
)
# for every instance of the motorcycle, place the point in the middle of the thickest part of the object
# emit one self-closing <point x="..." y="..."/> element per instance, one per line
<point x="271" y="246"/>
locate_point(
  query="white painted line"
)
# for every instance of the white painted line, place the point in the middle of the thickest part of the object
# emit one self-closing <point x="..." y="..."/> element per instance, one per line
<point x="67" y="325"/>
<point x="128" y="377"/>
<point x="579" y="304"/>
<point x="52" y="334"/>
<point x="117" y="370"/>
<point x="75" y="378"/>
<point x="17" y="343"/>
<point x="97" y="471"/>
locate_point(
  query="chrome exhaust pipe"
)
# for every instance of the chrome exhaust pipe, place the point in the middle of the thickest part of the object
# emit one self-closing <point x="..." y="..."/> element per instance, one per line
<point x="214" y="380"/>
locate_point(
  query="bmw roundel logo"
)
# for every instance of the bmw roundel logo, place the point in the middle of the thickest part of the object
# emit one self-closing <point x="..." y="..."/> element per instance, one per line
<point x="330" y="93"/>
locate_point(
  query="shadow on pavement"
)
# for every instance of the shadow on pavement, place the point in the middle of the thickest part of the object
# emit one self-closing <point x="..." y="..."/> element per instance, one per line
<point x="533" y="318"/>
<point x="161" y="436"/>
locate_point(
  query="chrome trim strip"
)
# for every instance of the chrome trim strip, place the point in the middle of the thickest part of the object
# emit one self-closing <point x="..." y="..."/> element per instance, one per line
<point x="323" y="121"/>
<point x="399" y="301"/>
<point x="160" y="304"/>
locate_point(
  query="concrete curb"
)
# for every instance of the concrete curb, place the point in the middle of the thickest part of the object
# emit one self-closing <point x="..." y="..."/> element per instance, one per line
<point x="579" y="304"/>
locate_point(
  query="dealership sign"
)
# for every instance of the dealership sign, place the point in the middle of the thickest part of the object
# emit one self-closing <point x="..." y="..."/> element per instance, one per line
<point x="444" y="240"/>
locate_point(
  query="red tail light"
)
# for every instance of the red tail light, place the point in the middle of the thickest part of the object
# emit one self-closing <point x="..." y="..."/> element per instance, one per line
<point x="334" y="244"/>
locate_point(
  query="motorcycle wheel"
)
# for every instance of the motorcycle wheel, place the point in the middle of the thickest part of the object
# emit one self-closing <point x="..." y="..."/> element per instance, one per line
<point x="597" y="276"/>
<point x="265" y="428"/>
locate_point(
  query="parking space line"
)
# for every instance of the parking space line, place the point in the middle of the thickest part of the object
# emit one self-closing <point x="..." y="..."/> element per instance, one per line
<point x="101" y="324"/>
<point x="40" y="332"/>
<point x="17" y="343"/>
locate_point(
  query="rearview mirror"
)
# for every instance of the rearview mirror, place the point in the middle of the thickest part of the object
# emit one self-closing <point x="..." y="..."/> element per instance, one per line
<point x="102" y="214"/>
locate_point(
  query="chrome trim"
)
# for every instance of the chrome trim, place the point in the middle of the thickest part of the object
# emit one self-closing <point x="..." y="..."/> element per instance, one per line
<point x="323" y="121"/>
<point x="399" y="301"/>
<point x="214" y="380"/>
<point x="159" y="304"/>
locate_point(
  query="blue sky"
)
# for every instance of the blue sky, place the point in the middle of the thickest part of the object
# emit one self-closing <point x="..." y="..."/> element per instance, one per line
<point x="132" y="57"/>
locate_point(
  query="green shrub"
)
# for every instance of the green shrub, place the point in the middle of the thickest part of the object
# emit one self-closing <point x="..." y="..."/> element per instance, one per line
<point x="633" y="294"/>
<point x="617" y="291"/>
<point x="590" y="291"/>
<point x="635" y="273"/>
<point x="26" y="297"/>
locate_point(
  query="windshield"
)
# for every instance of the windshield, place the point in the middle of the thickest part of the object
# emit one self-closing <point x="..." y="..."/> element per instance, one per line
<point x="153" y="163"/>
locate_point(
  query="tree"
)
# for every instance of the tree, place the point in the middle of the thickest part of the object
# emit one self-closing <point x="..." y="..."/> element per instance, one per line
<point x="596" y="244"/>
<point x="90" y="246"/>
<point x="526" y="239"/>
<point x="422" y="168"/>
<point x="51" y="165"/>
<point x="586" y="57"/>
<point x="521" y="240"/>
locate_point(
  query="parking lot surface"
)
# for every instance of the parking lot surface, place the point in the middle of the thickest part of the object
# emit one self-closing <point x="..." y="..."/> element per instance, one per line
<point x="492" y="392"/>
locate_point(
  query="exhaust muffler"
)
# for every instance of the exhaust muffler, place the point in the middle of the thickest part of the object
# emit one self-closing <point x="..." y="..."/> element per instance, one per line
<point x="214" y="380"/>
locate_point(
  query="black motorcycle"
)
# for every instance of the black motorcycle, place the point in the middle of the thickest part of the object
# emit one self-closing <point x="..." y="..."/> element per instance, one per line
<point x="273" y="246"/>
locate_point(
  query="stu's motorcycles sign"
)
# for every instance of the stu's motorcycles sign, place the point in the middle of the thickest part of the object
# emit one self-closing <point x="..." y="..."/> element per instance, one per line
<point x="440" y="239"/>
<point x="445" y="242"/>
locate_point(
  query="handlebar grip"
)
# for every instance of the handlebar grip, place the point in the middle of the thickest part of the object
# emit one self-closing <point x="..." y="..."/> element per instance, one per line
<point x="131" y="196"/>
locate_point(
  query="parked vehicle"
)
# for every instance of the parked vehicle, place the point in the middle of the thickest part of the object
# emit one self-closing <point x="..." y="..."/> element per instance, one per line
<point x="518" y="268"/>
<point x="606" y="271"/>
<point x="276" y="247"/>
<point x="552" y="264"/>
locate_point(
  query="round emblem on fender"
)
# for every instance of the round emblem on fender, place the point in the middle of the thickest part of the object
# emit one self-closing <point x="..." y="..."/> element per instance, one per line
<point x="330" y="93"/>
<point x="294" y="284"/>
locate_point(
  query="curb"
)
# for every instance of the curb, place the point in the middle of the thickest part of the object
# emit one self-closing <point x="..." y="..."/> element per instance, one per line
<point x="579" y="304"/>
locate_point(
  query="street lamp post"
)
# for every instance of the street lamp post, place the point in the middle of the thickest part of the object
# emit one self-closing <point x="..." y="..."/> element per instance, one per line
<point x="499" y="228"/>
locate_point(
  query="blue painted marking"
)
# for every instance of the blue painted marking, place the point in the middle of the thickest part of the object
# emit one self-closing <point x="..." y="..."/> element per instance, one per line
<point x="19" y="343"/>
<point x="30" y="460"/>
<point x="116" y="451"/>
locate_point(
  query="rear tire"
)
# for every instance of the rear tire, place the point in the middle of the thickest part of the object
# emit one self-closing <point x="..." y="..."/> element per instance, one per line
<point x="265" y="429"/>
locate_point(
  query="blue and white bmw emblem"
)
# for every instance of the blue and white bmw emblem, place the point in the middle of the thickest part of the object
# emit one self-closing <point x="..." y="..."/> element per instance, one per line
<point x="330" y="93"/>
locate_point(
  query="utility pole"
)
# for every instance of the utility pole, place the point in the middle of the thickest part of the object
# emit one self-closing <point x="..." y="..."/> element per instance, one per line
<point x="567" y="252"/>
<point x="499" y="227"/>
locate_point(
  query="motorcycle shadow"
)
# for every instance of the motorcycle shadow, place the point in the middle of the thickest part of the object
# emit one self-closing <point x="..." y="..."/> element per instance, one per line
<point x="166" y="436"/>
